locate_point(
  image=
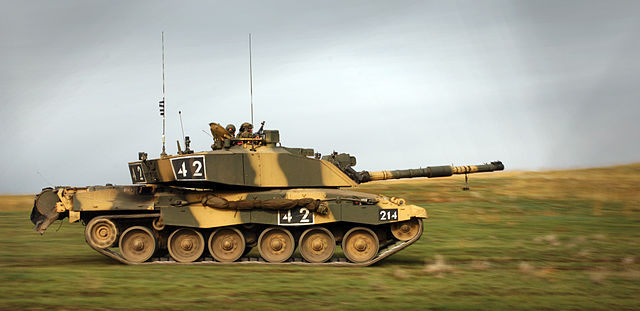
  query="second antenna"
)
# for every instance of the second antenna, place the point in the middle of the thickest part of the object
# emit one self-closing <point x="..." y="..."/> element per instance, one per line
<point x="251" y="78"/>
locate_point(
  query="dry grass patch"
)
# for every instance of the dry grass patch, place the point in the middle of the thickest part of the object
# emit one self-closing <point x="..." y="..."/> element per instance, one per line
<point x="12" y="203"/>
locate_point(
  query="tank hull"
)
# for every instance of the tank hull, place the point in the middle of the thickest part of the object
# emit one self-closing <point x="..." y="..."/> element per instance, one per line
<point x="144" y="224"/>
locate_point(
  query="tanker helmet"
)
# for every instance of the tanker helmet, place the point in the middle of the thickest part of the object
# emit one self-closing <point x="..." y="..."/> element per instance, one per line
<point x="246" y="127"/>
<point x="231" y="129"/>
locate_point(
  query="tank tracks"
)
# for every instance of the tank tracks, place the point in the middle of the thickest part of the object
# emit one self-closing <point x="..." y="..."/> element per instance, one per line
<point x="299" y="261"/>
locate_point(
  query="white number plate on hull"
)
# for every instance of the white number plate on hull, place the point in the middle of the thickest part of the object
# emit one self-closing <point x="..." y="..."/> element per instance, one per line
<point x="295" y="217"/>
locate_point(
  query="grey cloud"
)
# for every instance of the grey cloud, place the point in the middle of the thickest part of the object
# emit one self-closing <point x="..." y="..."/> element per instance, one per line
<point x="537" y="84"/>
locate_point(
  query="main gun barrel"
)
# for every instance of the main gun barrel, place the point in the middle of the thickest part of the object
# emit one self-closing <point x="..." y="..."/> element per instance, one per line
<point x="431" y="171"/>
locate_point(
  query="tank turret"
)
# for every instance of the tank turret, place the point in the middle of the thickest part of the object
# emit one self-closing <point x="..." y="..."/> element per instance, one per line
<point x="259" y="161"/>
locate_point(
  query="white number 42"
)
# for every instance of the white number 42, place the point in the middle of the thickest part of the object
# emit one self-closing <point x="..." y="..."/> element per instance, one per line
<point x="197" y="172"/>
<point x="287" y="217"/>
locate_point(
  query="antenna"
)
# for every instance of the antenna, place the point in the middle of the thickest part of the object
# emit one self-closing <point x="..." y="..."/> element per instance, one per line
<point x="207" y="133"/>
<point x="251" y="78"/>
<point x="162" y="103"/>
<point x="46" y="180"/>
<point x="181" y="125"/>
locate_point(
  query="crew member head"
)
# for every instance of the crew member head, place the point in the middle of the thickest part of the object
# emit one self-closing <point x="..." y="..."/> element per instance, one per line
<point x="246" y="127"/>
<point x="231" y="129"/>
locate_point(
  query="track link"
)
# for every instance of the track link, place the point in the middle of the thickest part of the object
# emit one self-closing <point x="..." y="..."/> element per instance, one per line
<point x="298" y="261"/>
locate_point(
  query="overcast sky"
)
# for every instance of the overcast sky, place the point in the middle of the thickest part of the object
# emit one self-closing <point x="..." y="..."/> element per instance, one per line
<point x="398" y="84"/>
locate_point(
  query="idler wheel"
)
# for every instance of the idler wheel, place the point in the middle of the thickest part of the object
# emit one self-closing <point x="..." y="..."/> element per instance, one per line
<point x="360" y="244"/>
<point x="186" y="245"/>
<point x="406" y="230"/>
<point x="317" y="244"/>
<point x="137" y="244"/>
<point x="276" y="244"/>
<point x="101" y="233"/>
<point x="226" y="244"/>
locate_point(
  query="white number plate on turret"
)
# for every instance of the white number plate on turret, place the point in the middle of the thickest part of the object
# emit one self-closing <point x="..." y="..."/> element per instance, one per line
<point x="296" y="216"/>
<point x="137" y="174"/>
<point x="189" y="168"/>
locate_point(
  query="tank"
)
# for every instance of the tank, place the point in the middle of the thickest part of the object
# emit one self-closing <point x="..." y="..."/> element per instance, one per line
<point x="248" y="191"/>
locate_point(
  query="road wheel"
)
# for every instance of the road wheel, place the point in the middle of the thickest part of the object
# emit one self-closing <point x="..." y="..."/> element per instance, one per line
<point x="101" y="233"/>
<point x="185" y="245"/>
<point x="317" y="244"/>
<point x="360" y="244"/>
<point x="276" y="244"/>
<point x="137" y="244"/>
<point x="226" y="244"/>
<point x="406" y="230"/>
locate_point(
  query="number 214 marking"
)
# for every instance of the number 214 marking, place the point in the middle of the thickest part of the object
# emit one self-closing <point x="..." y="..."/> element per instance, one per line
<point x="389" y="214"/>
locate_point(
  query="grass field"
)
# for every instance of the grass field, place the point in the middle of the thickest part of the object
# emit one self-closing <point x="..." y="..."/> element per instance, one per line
<point x="556" y="240"/>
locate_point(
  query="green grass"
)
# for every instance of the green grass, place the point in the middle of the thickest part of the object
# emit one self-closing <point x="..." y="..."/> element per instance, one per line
<point x="566" y="240"/>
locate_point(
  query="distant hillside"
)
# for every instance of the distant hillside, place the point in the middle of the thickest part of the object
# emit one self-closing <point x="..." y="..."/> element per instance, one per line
<point x="616" y="185"/>
<point x="16" y="202"/>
